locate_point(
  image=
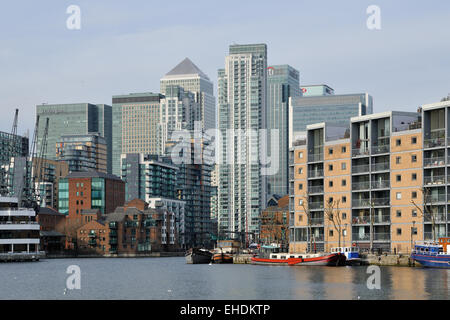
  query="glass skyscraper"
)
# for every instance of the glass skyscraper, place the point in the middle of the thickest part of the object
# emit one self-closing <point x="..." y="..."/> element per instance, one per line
<point x="337" y="109"/>
<point x="74" y="119"/>
<point x="283" y="82"/>
<point x="242" y="95"/>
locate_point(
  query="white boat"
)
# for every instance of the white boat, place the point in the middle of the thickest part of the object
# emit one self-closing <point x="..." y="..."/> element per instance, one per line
<point x="351" y="255"/>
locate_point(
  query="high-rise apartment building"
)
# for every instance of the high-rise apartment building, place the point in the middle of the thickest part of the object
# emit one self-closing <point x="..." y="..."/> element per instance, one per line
<point x="283" y="82"/>
<point x="136" y="123"/>
<point x="388" y="172"/>
<point x="189" y="77"/>
<point x="74" y="119"/>
<point x="317" y="108"/>
<point x="242" y="103"/>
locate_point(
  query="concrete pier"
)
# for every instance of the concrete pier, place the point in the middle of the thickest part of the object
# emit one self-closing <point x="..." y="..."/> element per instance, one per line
<point x="388" y="260"/>
<point x="242" y="258"/>
<point x="21" y="257"/>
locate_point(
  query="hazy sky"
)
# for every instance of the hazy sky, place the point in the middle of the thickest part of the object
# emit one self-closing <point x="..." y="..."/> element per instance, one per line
<point x="127" y="46"/>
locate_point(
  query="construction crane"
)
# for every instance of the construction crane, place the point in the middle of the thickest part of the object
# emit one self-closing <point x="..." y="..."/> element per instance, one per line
<point x="32" y="157"/>
<point x="7" y="181"/>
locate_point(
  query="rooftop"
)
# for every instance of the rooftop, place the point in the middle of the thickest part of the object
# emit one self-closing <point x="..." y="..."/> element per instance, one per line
<point x="186" y="67"/>
<point x="91" y="174"/>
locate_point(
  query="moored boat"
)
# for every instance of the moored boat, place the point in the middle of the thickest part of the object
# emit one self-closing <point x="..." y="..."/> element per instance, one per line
<point x="221" y="257"/>
<point x="197" y="256"/>
<point x="432" y="254"/>
<point x="351" y="254"/>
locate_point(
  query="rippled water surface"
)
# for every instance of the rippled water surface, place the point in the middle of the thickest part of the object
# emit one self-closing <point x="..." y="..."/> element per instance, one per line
<point x="172" y="278"/>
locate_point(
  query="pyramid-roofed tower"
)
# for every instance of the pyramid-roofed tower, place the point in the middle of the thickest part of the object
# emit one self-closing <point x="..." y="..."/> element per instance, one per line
<point x="186" y="67"/>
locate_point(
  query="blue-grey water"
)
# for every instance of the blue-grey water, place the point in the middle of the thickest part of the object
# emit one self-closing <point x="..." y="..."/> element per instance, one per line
<point x="172" y="278"/>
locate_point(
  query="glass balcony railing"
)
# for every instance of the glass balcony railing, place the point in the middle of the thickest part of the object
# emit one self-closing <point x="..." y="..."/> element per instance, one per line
<point x="318" y="173"/>
<point x="434" y="162"/>
<point x="315" y="205"/>
<point x="361" y="237"/>
<point x="380" y="148"/>
<point x="380" y="184"/>
<point x="360" y="152"/>
<point x="361" y="202"/>
<point x="435" y="198"/>
<point x="314" y="157"/>
<point x="434" y="180"/>
<point x="434" y="139"/>
<point x="381" y="236"/>
<point x="317" y="237"/>
<point x="364" y="185"/>
<point x="316" y="221"/>
<point x="381" y="166"/>
<point x="381" y="202"/>
<point x="360" y="168"/>
<point x="376" y="219"/>
<point x="315" y="189"/>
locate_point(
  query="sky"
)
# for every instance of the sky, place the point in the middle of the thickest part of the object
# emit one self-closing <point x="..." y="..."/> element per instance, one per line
<point x="127" y="46"/>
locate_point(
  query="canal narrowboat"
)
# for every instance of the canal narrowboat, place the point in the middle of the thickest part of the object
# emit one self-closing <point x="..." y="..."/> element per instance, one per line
<point x="351" y="254"/>
<point x="432" y="254"/>
<point x="198" y="256"/>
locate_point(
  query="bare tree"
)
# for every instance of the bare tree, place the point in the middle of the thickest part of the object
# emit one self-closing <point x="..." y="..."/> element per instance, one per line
<point x="334" y="214"/>
<point x="308" y="217"/>
<point x="427" y="212"/>
<point x="372" y="220"/>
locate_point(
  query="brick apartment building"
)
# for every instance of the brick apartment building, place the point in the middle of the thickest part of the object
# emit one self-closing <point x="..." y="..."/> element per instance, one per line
<point x="275" y="222"/>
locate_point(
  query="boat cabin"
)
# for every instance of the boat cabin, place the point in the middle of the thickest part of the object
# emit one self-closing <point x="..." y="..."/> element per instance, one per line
<point x="349" y="252"/>
<point x="445" y="243"/>
<point x="430" y="248"/>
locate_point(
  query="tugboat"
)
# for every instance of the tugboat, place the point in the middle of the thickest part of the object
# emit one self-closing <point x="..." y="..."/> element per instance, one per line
<point x="432" y="254"/>
<point x="351" y="254"/>
<point x="198" y="256"/>
<point x="225" y="251"/>
<point x="221" y="257"/>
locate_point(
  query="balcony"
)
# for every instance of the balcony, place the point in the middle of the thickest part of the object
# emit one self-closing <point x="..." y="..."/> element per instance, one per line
<point x="315" y="189"/>
<point x="316" y="221"/>
<point x="381" y="202"/>
<point x="376" y="219"/>
<point x="360" y="152"/>
<point x="381" y="166"/>
<point x="360" y="168"/>
<point x="380" y="184"/>
<point x="435" y="198"/>
<point x="361" y="237"/>
<point x="361" y="202"/>
<point x="434" y="180"/>
<point x="438" y="217"/>
<point x="381" y="236"/>
<point x="318" y="173"/>
<point x="435" y="139"/>
<point x="315" y="238"/>
<point x="316" y="205"/>
<point x="315" y="157"/>
<point x="364" y="185"/>
<point x="381" y="148"/>
<point x="434" y="162"/>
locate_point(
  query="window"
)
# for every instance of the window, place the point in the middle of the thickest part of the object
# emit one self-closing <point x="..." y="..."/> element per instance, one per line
<point x="331" y="233"/>
<point x="330" y="183"/>
<point x="330" y="150"/>
<point x="398" y="142"/>
<point x="330" y="167"/>
<point x="344" y="182"/>
<point x="398" y="160"/>
<point x="300" y="202"/>
<point x="300" y="155"/>
<point x="344" y="216"/>
<point x="414" y="231"/>
<point x="414" y="194"/>
<point x="300" y="218"/>
<point x="399" y="213"/>
<point x="330" y="199"/>
<point x="414" y="213"/>
<point x="414" y="140"/>
<point x="414" y="158"/>
<point x="344" y="199"/>
<point x="300" y="170"/>
<point x="414" y="176"/>
<point x="399" y="231"/>
<point x="398" y="177"/>
<point x="343" y="166"/>
<point x="300" y="186"/>
<point x="344" y="150"/>
<point x="398" y="196"/>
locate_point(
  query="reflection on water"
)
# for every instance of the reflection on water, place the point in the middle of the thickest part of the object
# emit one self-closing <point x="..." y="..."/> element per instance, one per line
<point x="172" y="278"/>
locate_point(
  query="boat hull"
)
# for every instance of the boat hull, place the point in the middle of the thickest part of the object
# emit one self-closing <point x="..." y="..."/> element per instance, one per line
<point x="269" y="262"/>
<point x="222" y="258"/>
<point x="333" y="259"/>
<point x="430" y="261"/>
<point x="198" y="257"/>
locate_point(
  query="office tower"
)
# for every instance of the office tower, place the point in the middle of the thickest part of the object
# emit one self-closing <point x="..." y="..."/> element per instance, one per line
<point x="242" y="91"/>
<point x="387" y="170"/>
<point x="83" y="152"/>
<point x="325" y="108"/>
<point x="316" y="90"/>
<point x="188" y="76"/>
<point x="179" y="111"/>
<point x="136" y="120"/>
<point x="282" y="83"/>
<point x="74" y="119"/>
<point x="12" y="146"/>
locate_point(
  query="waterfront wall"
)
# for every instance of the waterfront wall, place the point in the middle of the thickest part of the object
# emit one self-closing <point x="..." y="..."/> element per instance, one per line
<point x="388" y="260"/>
<point x="123" y="255"/>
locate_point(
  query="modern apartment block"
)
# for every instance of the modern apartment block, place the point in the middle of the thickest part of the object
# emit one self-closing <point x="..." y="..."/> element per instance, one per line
<point x="388" y="172"/>
<point x="47" y="174"/>
<point x="283" y="82"/>
<point x="189" y="77"/>
<point x="74" y="119"/>
<point x="12" y="146"/>
<point x="312" y="109"/>
<point x="242" y="103"/>
<point x="136" y="121"/>
<point x="83" y="152"/>
<point x="316" y="90"/>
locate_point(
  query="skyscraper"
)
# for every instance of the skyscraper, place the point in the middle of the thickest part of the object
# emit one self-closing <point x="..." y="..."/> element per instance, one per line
<point x="282" y="83"/>
<point x="242" y="90"/>
<point x="71" y="119"/>
<point x="188" y="76"/>
<point x="136" y="121"/>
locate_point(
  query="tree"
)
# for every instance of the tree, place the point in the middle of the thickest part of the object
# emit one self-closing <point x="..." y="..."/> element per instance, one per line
<point x="308" y="217"/>
<point x="427" y="212"/>
<point x="334" y="214"/>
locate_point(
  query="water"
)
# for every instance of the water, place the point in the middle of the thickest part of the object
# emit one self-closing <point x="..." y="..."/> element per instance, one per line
<point x="172" y="278"/>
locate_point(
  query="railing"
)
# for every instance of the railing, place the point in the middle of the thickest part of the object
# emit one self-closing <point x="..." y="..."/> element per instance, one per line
<point x="381" y="166"/>
<point x="434" y="180"/>
<point x="429" y="235"/>
<point x="361" y="185"/>
<point x="381" y="236"/>
<point x="361" y="202"/>
<point x="434" y="142"/>
<point x="381" y="201"/>
<point x="381" y="148"/>
<point x="315" y="205"/>
<point x="317" y="238"/>
<point x="360" y="152"/>
<point x="434" y="161"/>
<point x="438" y="217"/>
<point x="314" y="157"/>
<point x="315" y="189"/>
<point x="315" y="173"/>
<point x="361" y="237"/>
<point x="360" y="168"/>
<point x="316" y="221"/>
<point x="19" y="222"/>
<point x="435" y="198"/>
<point x="380" y="184"/>
<point x="376" y="219"/>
